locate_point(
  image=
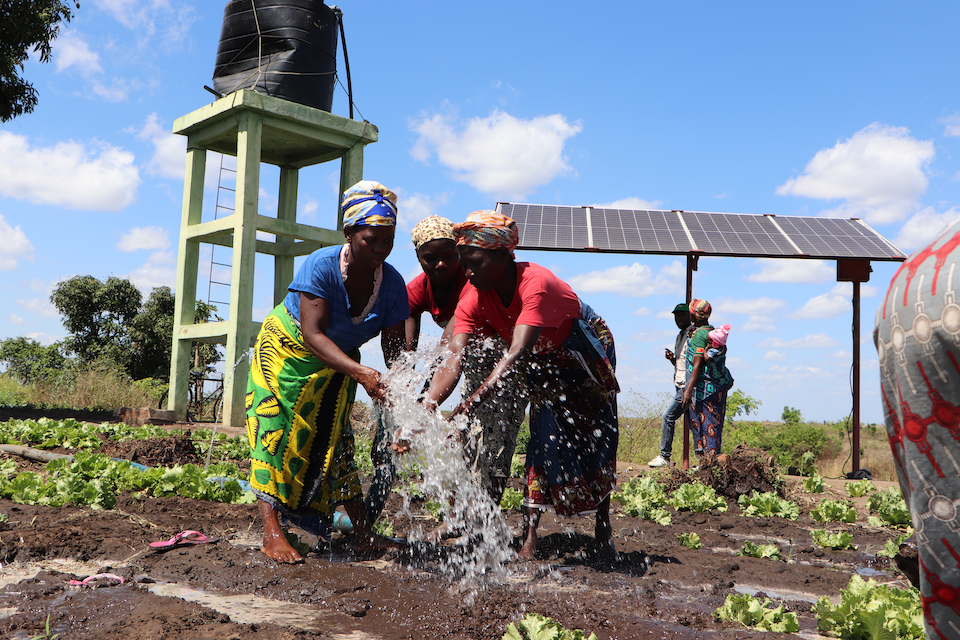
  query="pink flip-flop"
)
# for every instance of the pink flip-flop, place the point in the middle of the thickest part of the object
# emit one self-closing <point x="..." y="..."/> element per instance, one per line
<point x="86" y="581"/>
<point x="184" y="537"/>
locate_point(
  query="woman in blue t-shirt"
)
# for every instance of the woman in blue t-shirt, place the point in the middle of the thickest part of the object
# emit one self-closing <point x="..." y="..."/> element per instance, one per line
<point x="305" y="370"/>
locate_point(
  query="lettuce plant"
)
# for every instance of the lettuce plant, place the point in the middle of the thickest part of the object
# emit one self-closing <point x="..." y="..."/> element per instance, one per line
<point x="828" y="540"/>
<point x="890" y="507"/>
<point x="872" y="611"/>
<point x="537" y="627"/>
<point x="750" y="612"/>
<point x="754" y="550"/>
<point x="644" y="498"/>
<point x="768" y="505"/>
<point x="697" y="498"/>
<point x="691" y="540"/>
<point x="834" y="511"/>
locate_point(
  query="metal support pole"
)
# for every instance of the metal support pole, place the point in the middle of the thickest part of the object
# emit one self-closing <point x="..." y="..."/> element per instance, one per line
<point x="691" y="267"/>
<point x="856" y="377"/>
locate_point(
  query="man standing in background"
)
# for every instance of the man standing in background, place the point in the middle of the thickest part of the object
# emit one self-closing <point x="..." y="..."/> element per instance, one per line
<point x="677" y="357"/>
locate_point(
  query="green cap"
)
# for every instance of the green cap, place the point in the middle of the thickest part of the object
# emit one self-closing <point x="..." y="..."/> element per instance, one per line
<point x="681" y="307"/>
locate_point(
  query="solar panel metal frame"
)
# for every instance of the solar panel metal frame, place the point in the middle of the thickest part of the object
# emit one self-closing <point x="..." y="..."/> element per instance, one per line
<point x="700" y="233"/>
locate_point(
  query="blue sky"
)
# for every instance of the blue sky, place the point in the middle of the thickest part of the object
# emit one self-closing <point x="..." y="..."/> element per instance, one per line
<point x="826" y="109"/>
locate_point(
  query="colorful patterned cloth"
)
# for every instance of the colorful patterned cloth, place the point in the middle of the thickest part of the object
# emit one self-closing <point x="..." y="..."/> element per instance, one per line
<point x="298" y="423"/>
<point x="488" y="229"/>
<point x="706" y="422"/>
<point x="918" y="343"/>
<point x="572" y="452"/>
<point x="700" y="309"/>
<point x="432" y="228"/>
<point x="369" y="204"/>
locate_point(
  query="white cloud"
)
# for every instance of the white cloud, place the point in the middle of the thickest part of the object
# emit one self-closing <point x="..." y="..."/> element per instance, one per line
<point x="144" y="238"/>
<point x="951" y="125"/>
<point x="169" y="149"/>
<point x="93" y="177"/>
<point x="14" y="246"/>
<point x="834" y="303"/>
<point x="148" y="17"/>
<point x="811" y="340"/>
<point x="760" y="312"/>
<point x="43" y="338"/>
<point x="642" y="311"/>
<point x="879" y="172"/>
<point x="651" y="334"/>
<point x="499" y="155"/>
<point x="635" y="280"/>
<point x="414" y="207"/>
<point x="39" y="307"/>
<point x="786" y="270"/>
<point x="842" y="354"/>
<point x="797" y="374"/>
<point x="632" y="203"/>
<point x="71" y="51"/>
<point x="923" y="227"/>
<point x="15" y="319"/>
<point x="308" y="211"/>
<point x="159" y="271"/>
<point x="116" y="92"/>
<point x="775" y="356"/>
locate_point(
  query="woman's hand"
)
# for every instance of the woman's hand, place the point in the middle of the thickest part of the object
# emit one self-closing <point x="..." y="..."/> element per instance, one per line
<point x="373" y="384"/>
<point x="468" y="405"/>
<point x="687" y="397"/>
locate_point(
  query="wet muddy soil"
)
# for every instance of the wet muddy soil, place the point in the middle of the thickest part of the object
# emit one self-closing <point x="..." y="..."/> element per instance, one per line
<point x="226" y="588"/>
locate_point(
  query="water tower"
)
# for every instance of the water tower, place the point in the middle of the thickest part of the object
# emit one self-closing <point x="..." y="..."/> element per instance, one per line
<point x="275" y="71"/>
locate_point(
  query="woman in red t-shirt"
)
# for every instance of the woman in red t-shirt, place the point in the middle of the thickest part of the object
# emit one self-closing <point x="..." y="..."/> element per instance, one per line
<point x="567" y="351"/>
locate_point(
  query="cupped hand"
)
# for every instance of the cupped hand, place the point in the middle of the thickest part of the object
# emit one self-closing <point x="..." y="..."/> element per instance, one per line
<point x="373" y="384"/>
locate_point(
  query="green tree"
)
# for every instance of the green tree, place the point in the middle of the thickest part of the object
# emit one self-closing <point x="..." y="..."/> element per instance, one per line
<point x="791" y="416"/>
<point x="151" y="335"/>
<point x="28" y="361"/>
<point x="98" y="316"/>
<point x="740" y="403"/>
<point x="25" y="26"/>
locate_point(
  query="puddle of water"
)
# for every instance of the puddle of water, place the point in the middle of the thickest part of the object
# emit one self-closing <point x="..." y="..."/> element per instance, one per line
<point x="869" y="572"/>
<point x="247" y="609"/>
<point x="782" y="594"/>
<point x="14" y="573"/>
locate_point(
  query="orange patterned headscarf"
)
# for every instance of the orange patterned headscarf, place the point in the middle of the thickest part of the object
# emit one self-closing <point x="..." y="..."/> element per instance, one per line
<point x="488" y="229"/>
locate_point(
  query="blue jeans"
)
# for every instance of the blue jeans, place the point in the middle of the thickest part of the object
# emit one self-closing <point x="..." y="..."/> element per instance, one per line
<point x="674" y="411"/>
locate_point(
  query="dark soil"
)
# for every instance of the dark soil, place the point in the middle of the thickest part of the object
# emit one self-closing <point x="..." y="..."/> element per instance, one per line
<point x="654" y="589"/>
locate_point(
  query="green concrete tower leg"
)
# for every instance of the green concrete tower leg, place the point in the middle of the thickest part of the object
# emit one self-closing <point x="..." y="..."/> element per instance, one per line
<point x="351" y="172"/>
<point x="240" y="330"/>
<point x="187" y="266"/>
<point x="286" y="210"/>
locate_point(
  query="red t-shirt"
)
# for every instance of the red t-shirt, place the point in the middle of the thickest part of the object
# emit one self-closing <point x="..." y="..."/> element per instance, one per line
<point x="420" y="294"/>
<point x="540" y="300"/>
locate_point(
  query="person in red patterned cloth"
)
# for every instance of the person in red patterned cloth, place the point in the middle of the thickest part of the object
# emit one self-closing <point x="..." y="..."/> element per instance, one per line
<point x="917" y="337"/>
<point x="568" y="354"/>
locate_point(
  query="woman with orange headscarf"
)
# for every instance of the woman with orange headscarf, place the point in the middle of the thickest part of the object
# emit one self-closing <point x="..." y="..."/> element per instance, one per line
<point x="568" y="355"/>
<point x="707" y="384"/>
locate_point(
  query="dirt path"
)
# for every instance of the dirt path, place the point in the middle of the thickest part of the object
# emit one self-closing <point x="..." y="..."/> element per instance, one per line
<point x="227" y="589"/>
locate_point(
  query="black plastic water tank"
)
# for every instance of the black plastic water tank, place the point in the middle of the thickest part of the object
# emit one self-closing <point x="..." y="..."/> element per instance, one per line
<point x="283" y="48"/>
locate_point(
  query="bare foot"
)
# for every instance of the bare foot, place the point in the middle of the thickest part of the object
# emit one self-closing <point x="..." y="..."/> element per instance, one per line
<point x="279" y="549"/>
<point x="528" y="550"/>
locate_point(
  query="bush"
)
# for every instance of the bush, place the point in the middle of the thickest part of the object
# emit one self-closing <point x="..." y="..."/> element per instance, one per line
<point x="786" y="442"/>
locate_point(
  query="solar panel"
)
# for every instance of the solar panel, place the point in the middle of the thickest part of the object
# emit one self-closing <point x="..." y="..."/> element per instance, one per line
<point x="557" y="227"/>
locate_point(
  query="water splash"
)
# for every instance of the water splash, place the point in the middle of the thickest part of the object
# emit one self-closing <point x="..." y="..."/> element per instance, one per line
<point x="218" y="419"/>
<point x="437" y="466"/>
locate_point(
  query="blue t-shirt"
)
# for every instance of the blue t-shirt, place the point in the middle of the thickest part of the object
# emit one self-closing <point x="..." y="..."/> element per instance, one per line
<point x="320" y="275"/>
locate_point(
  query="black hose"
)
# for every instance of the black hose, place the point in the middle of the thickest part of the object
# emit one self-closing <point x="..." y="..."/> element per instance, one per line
<point x="346" y="58"/>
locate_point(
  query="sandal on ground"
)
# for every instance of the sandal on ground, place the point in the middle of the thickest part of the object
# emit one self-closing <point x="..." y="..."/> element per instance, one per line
<point x="184" y="537"/>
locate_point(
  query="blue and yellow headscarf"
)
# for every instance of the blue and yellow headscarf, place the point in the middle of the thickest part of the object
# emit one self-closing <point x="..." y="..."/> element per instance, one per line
<point x="369" y="203"/>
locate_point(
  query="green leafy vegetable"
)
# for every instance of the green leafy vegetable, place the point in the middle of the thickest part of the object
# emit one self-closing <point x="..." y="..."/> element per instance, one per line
<point x="859" y="488"/>
<point x="892" y="546"/>
<point x="537" y="627"/>
<point x="890" y="507"/>
<point x="753" y="550"/>
<point x="813" y="484"/>
<point x="828" y="540"/>
<point x="697" y="498"/>
<point x="512" y="500"/>
<point x="750" y="612"/>
<point x="834" y="511"/>
<point x="690" y="540"/>
<point x="768" y="505"/>
<point x="644" y="498"/>
<point x="872" y="611"/>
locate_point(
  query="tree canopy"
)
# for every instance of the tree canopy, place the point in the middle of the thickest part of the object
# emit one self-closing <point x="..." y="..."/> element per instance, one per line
<point x="25" y="26"/>
<point x="28" y="361"/>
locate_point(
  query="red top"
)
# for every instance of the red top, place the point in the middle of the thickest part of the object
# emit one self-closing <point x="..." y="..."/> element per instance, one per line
<point x="420" y="294"/>
<point x="541" y="300"/>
